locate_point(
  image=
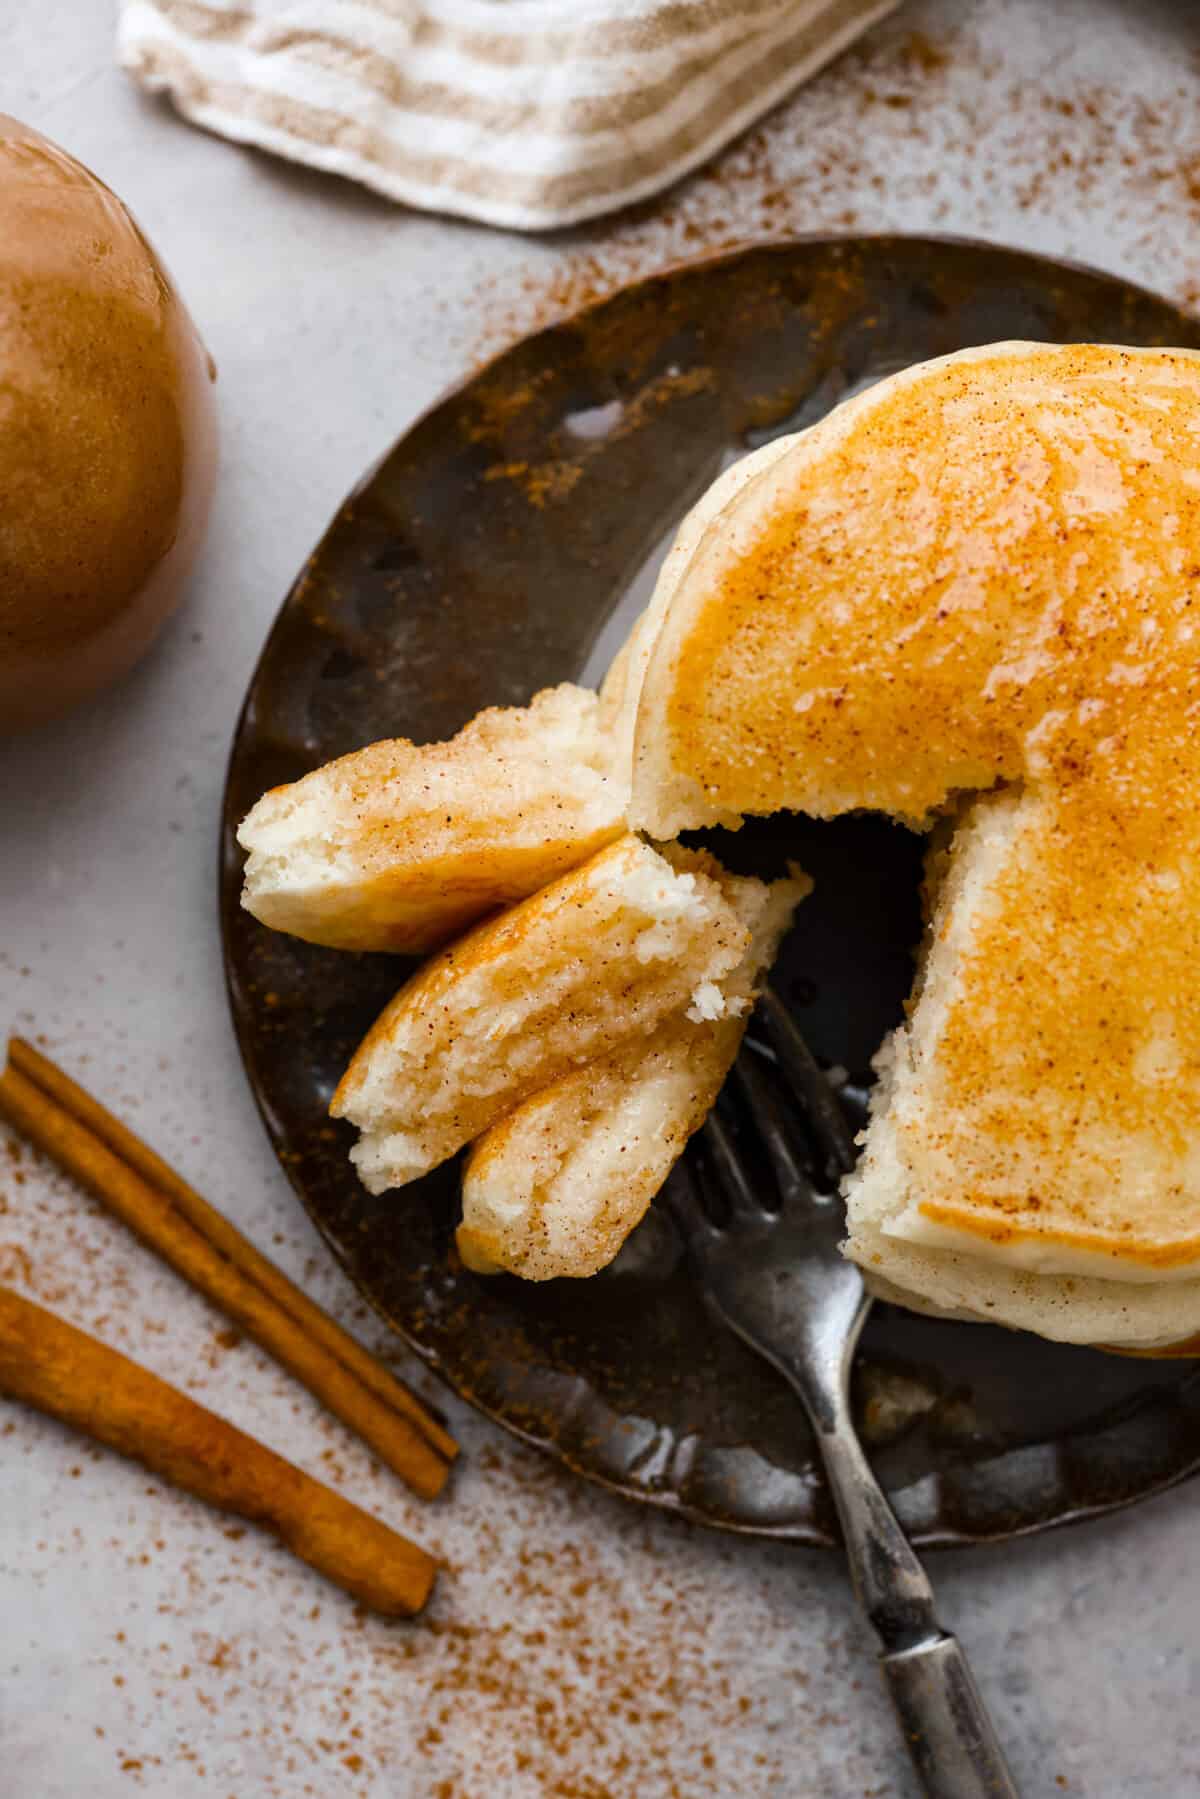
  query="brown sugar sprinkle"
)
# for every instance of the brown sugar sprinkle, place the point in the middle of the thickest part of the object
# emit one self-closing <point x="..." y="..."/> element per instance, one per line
<point x="937" y="129"/>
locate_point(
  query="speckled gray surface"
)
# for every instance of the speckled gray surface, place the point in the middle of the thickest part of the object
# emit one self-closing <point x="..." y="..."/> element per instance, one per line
<point x="577" y="1647"/>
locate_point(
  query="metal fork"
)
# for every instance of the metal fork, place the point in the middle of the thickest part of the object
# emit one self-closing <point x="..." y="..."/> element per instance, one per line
<point x="774" y="1274"/>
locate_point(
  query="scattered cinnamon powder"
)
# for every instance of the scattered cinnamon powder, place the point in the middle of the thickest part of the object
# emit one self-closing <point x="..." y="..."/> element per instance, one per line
<point x="591" y="1660"/>
<point x="918" y="130"/>
<point x="578" y="1649"/>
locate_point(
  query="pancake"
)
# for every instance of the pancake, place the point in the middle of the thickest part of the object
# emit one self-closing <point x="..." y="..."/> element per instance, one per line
<point x="398" y="846"/>
<point x="603" y="955"/>
<point x="977" y="586"/>
<point x="555" y="1188"/>
<point x="622" y="686"/>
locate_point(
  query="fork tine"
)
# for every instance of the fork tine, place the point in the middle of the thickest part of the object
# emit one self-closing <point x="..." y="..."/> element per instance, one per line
<point x="763" y="1107"/>
<point x="803" y="1074"/>
<point x="683" y="1203"/>
<point x="729" y="1168"/>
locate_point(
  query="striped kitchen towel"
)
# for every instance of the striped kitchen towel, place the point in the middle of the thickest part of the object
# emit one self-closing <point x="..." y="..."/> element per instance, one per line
<point x="524" y="113"/>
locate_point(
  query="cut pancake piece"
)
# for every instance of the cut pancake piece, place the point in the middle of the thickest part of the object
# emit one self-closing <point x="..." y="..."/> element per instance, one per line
<point x="556" y="1187"/>
<point x="981" y="574"/>
<point x="603" y="954"/>
<point x="1015" y="1170"/>
<point x="1029" y="1128"/>
<point x="1018" y="1165"/>
<point x="399" y="846"/>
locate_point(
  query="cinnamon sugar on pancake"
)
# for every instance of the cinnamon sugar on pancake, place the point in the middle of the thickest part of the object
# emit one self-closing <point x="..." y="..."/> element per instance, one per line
<point x="982" y="577"/>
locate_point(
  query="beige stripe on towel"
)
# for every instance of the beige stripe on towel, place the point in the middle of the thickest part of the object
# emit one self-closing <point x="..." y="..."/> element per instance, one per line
<point x="494" y="109"/>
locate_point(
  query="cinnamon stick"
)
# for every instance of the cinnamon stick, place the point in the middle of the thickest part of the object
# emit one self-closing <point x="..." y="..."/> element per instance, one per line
<point x="226" y="1238"/>
<point x="152" y="1216"/>
<point x="63" y="1372"/>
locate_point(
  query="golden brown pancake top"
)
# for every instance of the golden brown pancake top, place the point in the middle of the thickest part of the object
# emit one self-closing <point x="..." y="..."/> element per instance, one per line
<point x="993" y="576"/>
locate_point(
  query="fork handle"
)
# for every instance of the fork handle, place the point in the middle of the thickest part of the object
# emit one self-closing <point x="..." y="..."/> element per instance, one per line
<point x="947" y="1731"/>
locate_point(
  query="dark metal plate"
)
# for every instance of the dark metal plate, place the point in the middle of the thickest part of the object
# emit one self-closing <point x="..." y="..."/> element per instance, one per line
<point x="481" y="561"/>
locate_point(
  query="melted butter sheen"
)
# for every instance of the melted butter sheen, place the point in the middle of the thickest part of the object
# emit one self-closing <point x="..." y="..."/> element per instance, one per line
<point x="994" y="577"/>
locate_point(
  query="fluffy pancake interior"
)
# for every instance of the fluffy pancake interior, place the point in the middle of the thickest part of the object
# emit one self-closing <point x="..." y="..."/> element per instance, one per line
<point x="603" y="954"/>
<point x="556" y="1187"/>
<point x="399" y="845"/>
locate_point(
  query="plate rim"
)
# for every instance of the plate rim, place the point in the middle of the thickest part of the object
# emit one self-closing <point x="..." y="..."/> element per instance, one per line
<point x="229" y="873"/>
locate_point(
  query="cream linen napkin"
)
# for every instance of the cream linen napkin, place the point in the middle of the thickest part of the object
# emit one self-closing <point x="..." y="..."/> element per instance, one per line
<point x="524" y="113"/>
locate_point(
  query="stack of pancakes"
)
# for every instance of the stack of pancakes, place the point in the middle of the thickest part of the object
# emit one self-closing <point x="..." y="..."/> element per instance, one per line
<point x="970" y="599"/>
